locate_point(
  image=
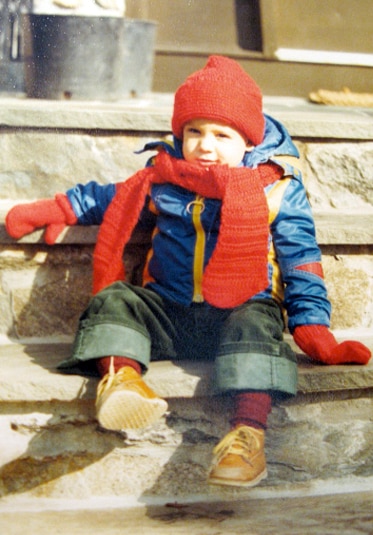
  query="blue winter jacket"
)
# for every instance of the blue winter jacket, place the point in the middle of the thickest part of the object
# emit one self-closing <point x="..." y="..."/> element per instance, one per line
<point x="185" y="230"/>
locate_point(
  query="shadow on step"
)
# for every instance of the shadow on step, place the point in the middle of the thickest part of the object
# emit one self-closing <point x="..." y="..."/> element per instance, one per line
<point x="67" y="455"/>
<point x="55" y="447"/>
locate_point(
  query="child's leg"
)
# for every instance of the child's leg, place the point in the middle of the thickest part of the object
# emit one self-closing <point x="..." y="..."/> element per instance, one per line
<point x="253" y="360"/>
<point x="239" y="459"/>
<point x="251" y="409"/>
<point x="124" y="400"/>
<point x="119" y="330"/>
<point x="103" y="364"/>
<point x="252" y="354"/>
<point x="125" y="321"/>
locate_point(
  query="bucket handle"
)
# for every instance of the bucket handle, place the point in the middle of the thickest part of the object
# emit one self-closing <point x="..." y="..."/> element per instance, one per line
<point x="15" y="38"/>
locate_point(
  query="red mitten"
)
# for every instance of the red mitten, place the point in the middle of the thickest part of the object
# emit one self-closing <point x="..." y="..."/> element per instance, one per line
<point x="55" y="214"/>
<point x="319" y="343"/>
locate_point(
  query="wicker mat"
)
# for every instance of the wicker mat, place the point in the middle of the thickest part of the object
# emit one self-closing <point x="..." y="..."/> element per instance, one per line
<point x="342" y="98"/>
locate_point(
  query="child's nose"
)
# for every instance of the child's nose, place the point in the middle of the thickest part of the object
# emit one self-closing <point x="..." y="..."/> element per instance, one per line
<point x="206" y="143"/>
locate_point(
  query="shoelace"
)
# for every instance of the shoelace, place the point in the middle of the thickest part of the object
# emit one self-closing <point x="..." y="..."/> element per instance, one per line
<point x="238" y="442"/>
<point x="108" y="380"/>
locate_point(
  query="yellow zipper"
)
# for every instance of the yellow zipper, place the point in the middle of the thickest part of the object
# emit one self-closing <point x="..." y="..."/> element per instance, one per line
<point x="197" y="207"/>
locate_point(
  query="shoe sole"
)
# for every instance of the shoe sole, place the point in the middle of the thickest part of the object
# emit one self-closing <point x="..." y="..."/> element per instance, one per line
<point x="128" y="410"/>
<point x="238" y="483"/>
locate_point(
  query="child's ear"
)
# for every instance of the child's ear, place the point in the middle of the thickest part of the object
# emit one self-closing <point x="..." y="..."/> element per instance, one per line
<point x="249" y="146"/>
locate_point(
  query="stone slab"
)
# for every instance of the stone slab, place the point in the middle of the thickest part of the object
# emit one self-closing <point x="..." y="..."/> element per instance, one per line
<point x="29" y="374"/>
<point x="332" y="229"/>
<point x="153" y="113"/>
<point x="347" y="514"/>
<point x="344" y="229"/>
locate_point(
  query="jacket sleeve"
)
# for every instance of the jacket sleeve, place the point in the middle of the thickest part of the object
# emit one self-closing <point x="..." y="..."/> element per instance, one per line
<point x="299" y="258"/>
<point x="90" y="201"/>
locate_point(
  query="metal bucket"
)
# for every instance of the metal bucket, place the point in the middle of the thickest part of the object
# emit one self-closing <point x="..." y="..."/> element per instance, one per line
<point x="11" y="60"/>
<point x="87" y="58"/>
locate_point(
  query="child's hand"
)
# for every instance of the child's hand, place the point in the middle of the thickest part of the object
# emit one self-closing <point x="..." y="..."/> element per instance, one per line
<point x="319" y="343"/>
<point x="55" y="214"/>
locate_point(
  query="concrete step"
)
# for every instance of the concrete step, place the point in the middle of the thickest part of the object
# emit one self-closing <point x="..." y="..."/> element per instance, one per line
<point x="332" y="229"/>
<point x="30" y="373"/>
<point x="52" y="447"/>
<point x="336" y="514"/>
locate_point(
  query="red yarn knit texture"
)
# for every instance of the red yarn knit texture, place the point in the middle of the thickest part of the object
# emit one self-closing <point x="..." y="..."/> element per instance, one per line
<point x="103" y="364"/>
<point x="221" y="91"/>
<point x="238" y="268"/>
<point x="251" y="408"/>
<point x="54" y="214"/>
<point x="320" y="344"/>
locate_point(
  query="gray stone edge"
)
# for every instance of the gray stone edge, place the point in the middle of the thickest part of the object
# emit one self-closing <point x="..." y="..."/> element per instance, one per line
<point x="153" y="114"/>
<point x="29" y="374"/>
<point x="332" y="228"/>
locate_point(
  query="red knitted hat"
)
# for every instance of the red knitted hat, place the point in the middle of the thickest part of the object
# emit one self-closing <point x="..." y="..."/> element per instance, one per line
<point x="221" y="91"/>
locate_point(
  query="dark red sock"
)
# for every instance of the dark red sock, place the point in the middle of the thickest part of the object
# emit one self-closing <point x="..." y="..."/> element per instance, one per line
<point x="103" y="364"/>
<point x="252" y="409"/>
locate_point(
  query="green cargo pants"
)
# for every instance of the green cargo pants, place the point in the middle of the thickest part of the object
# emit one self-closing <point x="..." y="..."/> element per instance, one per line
<point x="246" y="343"/>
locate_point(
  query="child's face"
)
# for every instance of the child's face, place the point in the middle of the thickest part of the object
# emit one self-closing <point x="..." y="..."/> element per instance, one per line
<point x="207" y="143"/>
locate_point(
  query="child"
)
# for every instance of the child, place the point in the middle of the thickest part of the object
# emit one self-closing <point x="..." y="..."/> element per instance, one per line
<point x="233" y="244"/>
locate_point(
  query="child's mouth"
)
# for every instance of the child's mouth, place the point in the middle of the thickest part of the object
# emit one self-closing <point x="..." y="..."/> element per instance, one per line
<point x="206" y="163"/>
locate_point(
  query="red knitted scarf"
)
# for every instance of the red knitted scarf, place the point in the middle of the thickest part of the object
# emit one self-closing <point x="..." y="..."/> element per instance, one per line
<point x="237" y="269"/>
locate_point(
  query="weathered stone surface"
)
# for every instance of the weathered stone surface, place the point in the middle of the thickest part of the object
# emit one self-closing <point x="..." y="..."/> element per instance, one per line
<point x="349" y="280"/>
<point x="340" y="175"/>
<point x="45" y="290"/>
<point x="37" y="164"/>
<point x="153" y="114"/>
<point x="48" y="146"/>
<point x="341" y="228"/>
<point x="53" y="448"/>
<point x="319" y="436"/>
<point x="59" y="457"/>
<point x="44" y="294"/>
<point x="30" y="375"/>
<point x="150" y="114"/>
<point x="332" y="228"/>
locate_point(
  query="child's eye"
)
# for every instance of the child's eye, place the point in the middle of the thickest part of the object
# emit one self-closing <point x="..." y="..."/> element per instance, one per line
<point x="193" y="130"/>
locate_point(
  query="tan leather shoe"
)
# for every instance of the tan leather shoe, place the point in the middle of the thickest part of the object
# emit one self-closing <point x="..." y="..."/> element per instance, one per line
<point x="124" y="401"/>
<point x="239" y="458"/>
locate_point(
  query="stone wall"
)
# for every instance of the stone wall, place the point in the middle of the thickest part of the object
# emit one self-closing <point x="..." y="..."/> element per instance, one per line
<point x="61" y="452"/>
<point x="35" y="163"/>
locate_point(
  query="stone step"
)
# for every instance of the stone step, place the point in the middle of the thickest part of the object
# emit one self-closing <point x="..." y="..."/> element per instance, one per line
<point x="52" y="447"/>
<point x="348" y="228"/>
<point x="53" y="455"/>
<point x="336" y="514"/>
<point x="30" y="375"/>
